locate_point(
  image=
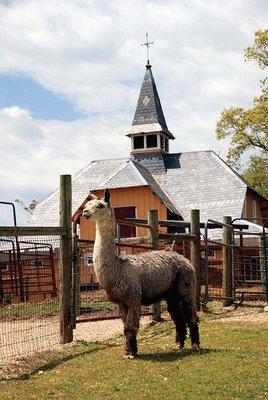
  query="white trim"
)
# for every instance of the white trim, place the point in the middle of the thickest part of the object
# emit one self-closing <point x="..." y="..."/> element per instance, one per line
<point x="135" y="129"/>
<point x="244" y="211"/>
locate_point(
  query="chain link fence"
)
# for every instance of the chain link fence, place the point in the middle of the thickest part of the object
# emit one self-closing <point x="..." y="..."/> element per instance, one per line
<point x="29" y="304"/>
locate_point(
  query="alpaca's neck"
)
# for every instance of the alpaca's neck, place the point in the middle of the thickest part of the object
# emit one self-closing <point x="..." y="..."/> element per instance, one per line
<point x="104" y="253"/>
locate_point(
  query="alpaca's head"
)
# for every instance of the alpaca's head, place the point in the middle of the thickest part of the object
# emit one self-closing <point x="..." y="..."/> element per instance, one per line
<point x="98" y="209"/>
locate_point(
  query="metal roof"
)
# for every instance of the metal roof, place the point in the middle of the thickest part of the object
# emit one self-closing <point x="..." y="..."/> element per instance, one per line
<point x="201" y="180"/>
<point x="182" y="181"/>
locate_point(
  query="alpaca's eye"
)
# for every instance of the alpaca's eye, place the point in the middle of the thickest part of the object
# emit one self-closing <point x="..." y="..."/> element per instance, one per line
<point x="100" y="205"/>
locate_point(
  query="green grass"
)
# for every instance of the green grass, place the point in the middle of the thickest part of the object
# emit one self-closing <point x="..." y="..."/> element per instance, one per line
<point x="48" y="308"/>
<point x="231" y="365"/>
<point x="24" y="309"/>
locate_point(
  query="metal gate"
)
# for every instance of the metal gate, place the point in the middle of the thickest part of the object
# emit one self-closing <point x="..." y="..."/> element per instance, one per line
<point x="250" y="258"/>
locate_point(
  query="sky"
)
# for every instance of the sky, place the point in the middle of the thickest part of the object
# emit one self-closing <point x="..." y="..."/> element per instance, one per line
<point x="71" y="71"/>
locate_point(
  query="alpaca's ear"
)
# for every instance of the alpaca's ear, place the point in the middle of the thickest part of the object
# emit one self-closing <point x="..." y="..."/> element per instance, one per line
<point x="107" y="196"/>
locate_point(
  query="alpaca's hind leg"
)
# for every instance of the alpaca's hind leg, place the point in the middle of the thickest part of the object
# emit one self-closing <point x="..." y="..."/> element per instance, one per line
<point x="192" y="321"/>
<point x="176" y="312"/>
<point x="131" y="327"/>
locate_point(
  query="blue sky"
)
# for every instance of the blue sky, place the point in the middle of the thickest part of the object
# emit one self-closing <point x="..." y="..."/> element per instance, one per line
<point x="70" y="74"/>
<point x="26" y="93"/>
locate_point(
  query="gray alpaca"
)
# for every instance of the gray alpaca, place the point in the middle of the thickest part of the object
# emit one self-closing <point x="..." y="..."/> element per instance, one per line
<point x="142" y="279"/>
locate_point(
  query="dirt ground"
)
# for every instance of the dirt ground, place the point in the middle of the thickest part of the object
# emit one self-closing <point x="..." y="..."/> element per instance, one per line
<point x="102" y="330"/>
<point x="252" y="315"/>
<point x="23" y="337"/>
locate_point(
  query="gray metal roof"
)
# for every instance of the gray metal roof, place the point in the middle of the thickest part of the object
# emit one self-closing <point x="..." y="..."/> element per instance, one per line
<point x="201" y="180"/>
<point x="89" y="178"/>
<point x="114" y="173"/>
<point x="192" y="180"/>
<point x="149" y="113"/>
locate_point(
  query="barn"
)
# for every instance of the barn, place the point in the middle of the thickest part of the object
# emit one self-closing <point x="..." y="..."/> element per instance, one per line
<point x="151" y="177"/>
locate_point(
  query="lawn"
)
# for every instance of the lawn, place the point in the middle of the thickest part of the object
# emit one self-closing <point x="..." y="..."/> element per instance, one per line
<point x="231" y="365"/>
<point x="49" y="308"/>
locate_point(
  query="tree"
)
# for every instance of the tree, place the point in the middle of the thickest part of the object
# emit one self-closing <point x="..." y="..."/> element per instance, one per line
<point x="259" y="50"/>
<point x="248" y="128"/>
<point x="30" y="207"/>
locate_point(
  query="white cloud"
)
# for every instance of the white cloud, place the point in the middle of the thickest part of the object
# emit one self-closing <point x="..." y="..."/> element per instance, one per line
<point x="89" y="53"/>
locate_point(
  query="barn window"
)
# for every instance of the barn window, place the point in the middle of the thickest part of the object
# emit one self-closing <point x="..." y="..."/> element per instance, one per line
<point x="166" y="145"/>
<point x="211" y="254"/>
<point x="138" y="142"/>
<point x="151" y="141"/>
<point x="123" y="213"/>
<point x="37" y="264"/>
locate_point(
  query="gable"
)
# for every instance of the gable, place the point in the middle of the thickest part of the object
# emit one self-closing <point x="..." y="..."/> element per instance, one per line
<point x="142" y="198"/>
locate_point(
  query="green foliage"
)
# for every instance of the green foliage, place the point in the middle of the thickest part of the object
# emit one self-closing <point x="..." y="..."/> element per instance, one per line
<point x="259" y="50"/>
<point x="8" y="298"/>
<point x="257" y="173"/>
<point x="248" y="128"/>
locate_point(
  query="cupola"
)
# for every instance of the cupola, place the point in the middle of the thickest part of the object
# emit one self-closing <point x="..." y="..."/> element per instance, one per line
<point x="149" y="132"/>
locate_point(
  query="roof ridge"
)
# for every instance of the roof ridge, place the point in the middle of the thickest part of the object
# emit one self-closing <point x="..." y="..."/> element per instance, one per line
<point x="113" y="175"/>
<point x="110" y="159"/>
<point x="228" y="168"/>
<point x="237" y="175"/>
<point x="135" y="169"/>
<point x="158" y="184"/>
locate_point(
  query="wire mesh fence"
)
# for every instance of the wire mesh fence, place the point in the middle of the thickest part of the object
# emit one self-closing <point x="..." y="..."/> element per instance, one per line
<point x="91" y="301"/>
<point x="29" y="305"/>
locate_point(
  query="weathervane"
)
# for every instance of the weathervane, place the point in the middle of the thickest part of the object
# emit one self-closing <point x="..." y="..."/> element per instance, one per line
<point x="147" y="44"/>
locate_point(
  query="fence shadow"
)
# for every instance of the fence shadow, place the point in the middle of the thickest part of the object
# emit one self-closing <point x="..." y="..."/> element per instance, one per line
<point x="177" y="355"/>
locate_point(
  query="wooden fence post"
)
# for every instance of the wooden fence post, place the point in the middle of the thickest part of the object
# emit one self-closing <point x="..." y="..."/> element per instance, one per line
<point x="76" y="280"/>
<point x="227" y="265"/>
<point x="196" y="253"/>
<point x="65" y="292"/>
<point x="153" y="222"/>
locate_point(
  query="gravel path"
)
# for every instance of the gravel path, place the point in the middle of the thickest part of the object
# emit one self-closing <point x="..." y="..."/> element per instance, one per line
<point x="102" y="330"/>
<point x="24" y="337"/>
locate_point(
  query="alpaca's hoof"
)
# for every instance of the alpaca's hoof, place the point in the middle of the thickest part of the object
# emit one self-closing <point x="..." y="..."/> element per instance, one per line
<point x="177" y="346"/>
<point x="129" y="356"/>
<point x="195" y="347"/>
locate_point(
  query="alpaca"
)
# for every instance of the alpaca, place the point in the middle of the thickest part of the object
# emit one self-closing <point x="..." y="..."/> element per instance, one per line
<point x="142" y="279"/>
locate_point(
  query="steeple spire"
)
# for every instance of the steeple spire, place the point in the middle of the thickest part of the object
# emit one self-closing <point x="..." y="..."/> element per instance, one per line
<point x="149" y="132"/>
<point x="149" y="111"/>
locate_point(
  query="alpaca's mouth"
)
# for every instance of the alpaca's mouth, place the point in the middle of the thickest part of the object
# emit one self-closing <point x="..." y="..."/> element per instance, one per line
<point x="87" y="216"/>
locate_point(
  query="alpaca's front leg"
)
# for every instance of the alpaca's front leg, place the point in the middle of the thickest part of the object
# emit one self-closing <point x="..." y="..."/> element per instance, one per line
<point x="131" y="328"/>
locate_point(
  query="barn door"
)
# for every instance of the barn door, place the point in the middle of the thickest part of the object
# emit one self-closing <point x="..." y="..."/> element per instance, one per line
<point x="123" y="213"/>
